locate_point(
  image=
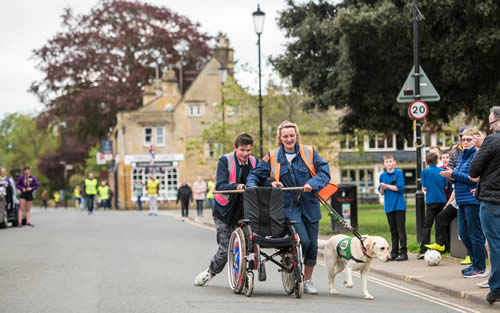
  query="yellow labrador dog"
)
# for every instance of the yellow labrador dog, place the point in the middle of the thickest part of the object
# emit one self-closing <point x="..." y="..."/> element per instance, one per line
<point x="343" y="252"/>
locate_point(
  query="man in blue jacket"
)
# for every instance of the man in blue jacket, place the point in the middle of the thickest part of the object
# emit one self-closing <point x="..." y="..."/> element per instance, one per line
<point x="232" y="173"/>
<point x="392" y="187"/>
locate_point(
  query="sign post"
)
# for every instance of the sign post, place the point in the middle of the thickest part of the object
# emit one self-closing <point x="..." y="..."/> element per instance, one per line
<point x="417" y="89"/>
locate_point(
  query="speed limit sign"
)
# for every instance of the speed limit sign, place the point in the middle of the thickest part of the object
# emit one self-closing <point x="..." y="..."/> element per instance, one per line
<point x="418" y="110"/>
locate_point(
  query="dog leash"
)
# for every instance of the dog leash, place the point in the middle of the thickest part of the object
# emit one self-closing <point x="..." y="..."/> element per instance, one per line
<point x="339" y="219"/>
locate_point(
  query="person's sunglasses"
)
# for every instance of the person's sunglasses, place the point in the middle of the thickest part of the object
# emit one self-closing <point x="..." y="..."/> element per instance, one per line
<point x="467" y="139"/>
<point x="491" y="123"/>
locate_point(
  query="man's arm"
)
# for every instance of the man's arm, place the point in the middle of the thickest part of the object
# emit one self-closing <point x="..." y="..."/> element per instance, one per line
<point x="222" y="182"/>
<point x="481" y="158"/>
<point x="260" y="173"/>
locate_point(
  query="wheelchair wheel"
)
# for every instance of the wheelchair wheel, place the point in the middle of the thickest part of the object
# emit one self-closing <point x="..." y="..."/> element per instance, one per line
<point x="249" y="284"/>
<point x="237" y="262"/>
<point x="298" y="272"/>
<point x="288" y="275"/>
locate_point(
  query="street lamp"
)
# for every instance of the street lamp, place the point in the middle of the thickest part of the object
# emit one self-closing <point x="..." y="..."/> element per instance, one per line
<point x="258" y="24"/>
<point x="223" y="77"/>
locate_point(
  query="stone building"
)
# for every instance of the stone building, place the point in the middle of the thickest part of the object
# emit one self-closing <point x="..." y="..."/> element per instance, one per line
<point x="163" y="127"/>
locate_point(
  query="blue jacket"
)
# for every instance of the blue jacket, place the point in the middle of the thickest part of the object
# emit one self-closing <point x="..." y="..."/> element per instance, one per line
<point x="463" y="185"/>
<point x="393" y="201"/>
<point x="296" y="175"/>
<point x="222" y="183"/>
<point x="434" y="184"/>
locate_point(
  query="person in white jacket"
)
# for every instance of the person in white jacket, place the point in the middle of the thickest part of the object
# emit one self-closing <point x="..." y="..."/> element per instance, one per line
<point x="199" y="194"/>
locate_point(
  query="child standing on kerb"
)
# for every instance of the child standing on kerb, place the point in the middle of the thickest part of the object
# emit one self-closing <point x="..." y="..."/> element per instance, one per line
<point x="392" y="186"/>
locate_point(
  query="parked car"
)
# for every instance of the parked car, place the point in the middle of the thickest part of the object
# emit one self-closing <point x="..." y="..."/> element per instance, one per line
<point x="4" y="219"/>
<point x="9" y="209"/>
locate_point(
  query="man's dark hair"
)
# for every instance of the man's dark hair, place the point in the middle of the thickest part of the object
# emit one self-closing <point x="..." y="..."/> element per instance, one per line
<point x="26" y="168"/>
<point x="432" y="159"/>
<point x="445" y="151"/>
<point x="389" y="156"/>
<point x="243" y="140"/>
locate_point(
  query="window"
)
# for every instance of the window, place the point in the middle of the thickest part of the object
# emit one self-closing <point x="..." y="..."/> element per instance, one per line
<point x="389" y="142"/>
<point x="410" y="142"/>
<point x="213" y="150"/>
<point x="172" y="183"/>
<point x="363" y="177"/>
<point x="350" y="142"/>
<point x="148" y="136"/>
<point x="160" y="138"/>
<point x="381" y="142"/>
<point x="194" y="110"/>
<point x="372" y="142"/>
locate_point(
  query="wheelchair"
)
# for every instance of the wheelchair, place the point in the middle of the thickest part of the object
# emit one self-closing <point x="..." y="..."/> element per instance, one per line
<point x="264" y="227"/>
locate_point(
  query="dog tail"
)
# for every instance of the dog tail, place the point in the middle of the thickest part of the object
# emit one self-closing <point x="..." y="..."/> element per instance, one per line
<point x="321" y="244"/>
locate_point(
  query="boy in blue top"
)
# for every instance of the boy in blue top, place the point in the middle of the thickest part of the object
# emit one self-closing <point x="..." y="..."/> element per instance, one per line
<point x="435" y="198"/>
<point x="392" y="186"/>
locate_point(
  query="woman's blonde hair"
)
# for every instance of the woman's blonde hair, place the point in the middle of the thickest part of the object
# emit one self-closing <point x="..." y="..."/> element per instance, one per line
<point x="472" y="132"/>
<point x="286" y="124"/>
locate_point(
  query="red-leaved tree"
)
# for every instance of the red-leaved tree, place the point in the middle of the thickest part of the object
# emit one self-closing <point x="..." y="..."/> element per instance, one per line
<point x="99" y="63"/>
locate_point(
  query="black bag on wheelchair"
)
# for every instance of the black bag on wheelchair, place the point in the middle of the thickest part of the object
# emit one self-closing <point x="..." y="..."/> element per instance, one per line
<point x="265" y="210"/>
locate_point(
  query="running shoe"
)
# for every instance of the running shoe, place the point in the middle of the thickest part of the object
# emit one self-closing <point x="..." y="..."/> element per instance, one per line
<point x="476" y="274"/>
<point x="484" y="284"/>
<point x="203" y="278"/>
<point x="436" y="246"/>
<point x="309" y="288"/>
<point x="467" y="269"/>
<point x="466" y="261"/>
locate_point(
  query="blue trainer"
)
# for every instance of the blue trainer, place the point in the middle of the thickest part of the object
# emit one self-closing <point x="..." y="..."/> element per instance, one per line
<point x="467" y="269"/>
<point x="476" y="273"/>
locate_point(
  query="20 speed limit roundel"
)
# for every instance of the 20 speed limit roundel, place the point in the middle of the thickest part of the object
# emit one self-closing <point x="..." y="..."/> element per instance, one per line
<point x="418" y="110"/>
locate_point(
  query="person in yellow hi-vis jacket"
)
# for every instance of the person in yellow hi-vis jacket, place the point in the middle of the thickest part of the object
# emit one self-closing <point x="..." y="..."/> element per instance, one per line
<point x="103" y="191"/>
<point x="153" y="191"/>
<point x="57" y="198"/>
<point x="90" y="192"/>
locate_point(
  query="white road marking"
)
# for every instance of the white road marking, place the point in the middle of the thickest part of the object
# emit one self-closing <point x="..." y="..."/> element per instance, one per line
<point x="411" y="292"/>
<point x="418" y="294"/>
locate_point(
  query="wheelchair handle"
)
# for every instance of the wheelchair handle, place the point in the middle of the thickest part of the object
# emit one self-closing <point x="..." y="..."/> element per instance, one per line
<point x="242" y="190"/>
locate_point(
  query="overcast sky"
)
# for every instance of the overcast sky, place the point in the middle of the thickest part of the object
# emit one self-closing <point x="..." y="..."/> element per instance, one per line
<point x="27" y="25"/>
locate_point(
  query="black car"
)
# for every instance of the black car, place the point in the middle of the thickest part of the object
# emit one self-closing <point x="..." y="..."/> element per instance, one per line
<point x="4" y="219"/>
<point x="8" y="209"/>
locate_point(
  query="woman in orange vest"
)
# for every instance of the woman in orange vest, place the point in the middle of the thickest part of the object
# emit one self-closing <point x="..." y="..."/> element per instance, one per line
<point x="295" y="165"/>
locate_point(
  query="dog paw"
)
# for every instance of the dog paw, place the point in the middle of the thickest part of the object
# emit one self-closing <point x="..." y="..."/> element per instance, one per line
<point x="334" y="291"/>
<point x="347" y="285"/>
<point x="369" y="297"/>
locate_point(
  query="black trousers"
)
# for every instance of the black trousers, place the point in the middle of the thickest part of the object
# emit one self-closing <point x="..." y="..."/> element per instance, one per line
<point x="443" y="222"/>
<point x="397" y="225"/>
<point x="199" y="207"/>
<point x="185" y="207"/>
<point x="433" y="209"/>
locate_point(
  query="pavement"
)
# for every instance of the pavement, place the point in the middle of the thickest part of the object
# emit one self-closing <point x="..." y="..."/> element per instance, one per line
<point x="445" y="278"/>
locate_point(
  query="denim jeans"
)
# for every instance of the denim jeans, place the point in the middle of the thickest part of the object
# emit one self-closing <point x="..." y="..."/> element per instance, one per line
<point x="471" y="233"/>
<point x="90" y="202"/>
<point x="490" y="220"/>
<point x="308" y="233"/>
<point x="139" y="203"/>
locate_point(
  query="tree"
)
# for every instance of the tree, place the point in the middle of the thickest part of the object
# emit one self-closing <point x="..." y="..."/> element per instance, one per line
<point x="357" y="54"/>
<point x="100" y="62"/>
<point x="21" y="144"/>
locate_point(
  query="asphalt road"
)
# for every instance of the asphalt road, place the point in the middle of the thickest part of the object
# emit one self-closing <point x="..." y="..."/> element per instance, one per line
<point x="131" y="262"/>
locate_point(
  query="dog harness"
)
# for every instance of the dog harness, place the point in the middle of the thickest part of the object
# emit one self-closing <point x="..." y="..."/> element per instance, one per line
<point x="344" y="250"/>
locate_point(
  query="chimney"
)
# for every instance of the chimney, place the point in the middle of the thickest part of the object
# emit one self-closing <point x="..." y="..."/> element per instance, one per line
<point x="224" y="53"/>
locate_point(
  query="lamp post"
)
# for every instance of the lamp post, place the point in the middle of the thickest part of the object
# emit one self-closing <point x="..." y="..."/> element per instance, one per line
<point x="258" y="24"/>
<point x="223" y="77"/>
